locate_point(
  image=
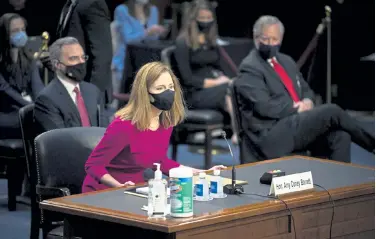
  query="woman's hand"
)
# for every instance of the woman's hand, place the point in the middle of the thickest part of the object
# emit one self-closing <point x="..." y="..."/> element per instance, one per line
<point x="155" y="30"/>
<point x="128" y="183"/>
<point x="223" y="80"/>
<point x="218" y="167"/>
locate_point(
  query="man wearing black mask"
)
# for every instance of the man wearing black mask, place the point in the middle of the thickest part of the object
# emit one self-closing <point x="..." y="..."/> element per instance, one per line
<point x="68" y="101"/>
<point x="277" y="109"/>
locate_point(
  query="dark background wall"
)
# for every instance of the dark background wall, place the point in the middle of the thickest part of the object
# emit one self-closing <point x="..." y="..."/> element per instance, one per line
<point x="353" y="36"/>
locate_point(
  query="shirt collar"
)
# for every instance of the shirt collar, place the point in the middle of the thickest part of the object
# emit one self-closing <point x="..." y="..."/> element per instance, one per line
<point x="68" y="85"/>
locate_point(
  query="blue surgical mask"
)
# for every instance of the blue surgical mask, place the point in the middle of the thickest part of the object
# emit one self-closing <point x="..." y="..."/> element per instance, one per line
<point x="19" y="39"/>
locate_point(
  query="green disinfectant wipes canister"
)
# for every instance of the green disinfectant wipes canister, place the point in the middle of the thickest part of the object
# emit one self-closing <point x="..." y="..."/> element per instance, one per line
<point x="181" y="192"/>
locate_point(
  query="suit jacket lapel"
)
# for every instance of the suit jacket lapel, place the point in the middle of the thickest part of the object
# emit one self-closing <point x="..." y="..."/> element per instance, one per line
<point x="90" y="107"/>
<point x="272" y="72"/>
<point x="67" y="100"/>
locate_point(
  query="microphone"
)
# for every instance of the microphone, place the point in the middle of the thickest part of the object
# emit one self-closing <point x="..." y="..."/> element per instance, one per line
<point x="148" y="174"/>
<point x="232" y="188"/>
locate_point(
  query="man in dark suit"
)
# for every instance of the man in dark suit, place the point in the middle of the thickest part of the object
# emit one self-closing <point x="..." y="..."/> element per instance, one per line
<point x="89" y="22"/>
<point x="277" y="110"/>
<point x="68" y="101"/>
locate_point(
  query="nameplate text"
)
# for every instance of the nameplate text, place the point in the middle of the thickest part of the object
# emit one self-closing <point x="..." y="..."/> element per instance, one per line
<point x="291" y="183"/>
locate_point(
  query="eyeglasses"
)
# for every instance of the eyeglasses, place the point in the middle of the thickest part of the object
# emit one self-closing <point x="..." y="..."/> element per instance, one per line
<point x="269" y="39"/>
<point x="77" y="58"/>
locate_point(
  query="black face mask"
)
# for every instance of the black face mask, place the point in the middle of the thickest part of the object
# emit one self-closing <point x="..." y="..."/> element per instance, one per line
<point x="204" y="26"/>
<point x="268" y="51"/>
<point x="164" y="100"/>
<point x="76" y="72"/>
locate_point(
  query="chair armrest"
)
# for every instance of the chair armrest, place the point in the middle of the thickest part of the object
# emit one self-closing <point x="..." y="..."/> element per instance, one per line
<point x="52" y="192"/>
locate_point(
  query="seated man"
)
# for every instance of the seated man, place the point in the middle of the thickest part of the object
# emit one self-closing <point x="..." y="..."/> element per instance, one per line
<point x="277" y="110"/>
<point x="68" y="101"/>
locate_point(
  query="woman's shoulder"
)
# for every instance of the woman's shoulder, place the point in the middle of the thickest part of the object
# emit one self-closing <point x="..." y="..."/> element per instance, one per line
<point x="120" y="124"/>
<point x="122" y="8"/>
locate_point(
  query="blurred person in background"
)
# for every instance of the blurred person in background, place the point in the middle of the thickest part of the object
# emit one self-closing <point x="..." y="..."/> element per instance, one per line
<point x="20" y="81"/>
<point x="198" y="61"/>
<point x="135" y="20"/>
<point x="89" y="22"/>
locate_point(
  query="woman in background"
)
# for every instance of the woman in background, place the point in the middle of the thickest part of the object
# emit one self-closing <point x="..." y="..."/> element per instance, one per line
<point x="136" y="20"/>
<point x="20" y="81"/>
<point x="140" y="134"/>
<point x="198" y="61"/>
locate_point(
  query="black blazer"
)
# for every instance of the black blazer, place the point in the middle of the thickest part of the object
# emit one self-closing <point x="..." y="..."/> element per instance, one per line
<point x="263" y="98"/>
<point x="11" y="100"/>
<point x="54" y="108"/>
<point x="89" y="21"/>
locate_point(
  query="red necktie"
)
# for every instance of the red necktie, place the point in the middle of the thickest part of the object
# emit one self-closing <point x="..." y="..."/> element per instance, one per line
<point x="82" y="108"/>
<point x="286" y="80"/>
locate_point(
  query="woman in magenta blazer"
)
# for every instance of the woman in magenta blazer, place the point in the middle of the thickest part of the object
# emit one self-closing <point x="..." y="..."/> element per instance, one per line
<point x="140" y="133"/>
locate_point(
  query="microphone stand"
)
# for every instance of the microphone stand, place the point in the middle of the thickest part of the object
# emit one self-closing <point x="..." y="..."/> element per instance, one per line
<point x="328" y="21"/>
<point x="232" y="188"/>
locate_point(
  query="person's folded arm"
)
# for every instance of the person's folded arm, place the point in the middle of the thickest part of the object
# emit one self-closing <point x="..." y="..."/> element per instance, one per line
<point x="12" y="94"/>
<point x="127" y="30"/>
<point x="252" y="88"/>
<point x="115" y="139"/>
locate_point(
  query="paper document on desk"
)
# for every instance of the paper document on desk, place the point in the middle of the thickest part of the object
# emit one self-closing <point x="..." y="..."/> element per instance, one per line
<point x="225" y="181"/>
<point x="145" y="191"/>
<point x="222" y="42"/>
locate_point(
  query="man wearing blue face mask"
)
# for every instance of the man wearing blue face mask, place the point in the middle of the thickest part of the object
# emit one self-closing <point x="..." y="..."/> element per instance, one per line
<point x="277" y="108"/>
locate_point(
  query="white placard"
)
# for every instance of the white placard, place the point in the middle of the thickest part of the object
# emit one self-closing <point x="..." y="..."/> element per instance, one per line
<point x="291" y="183"/>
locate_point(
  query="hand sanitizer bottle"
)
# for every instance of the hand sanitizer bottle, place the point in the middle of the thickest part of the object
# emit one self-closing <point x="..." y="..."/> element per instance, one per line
<point x="202" y="188"/>
<point x="157" y="197"/>
<point x="216" y="187"/>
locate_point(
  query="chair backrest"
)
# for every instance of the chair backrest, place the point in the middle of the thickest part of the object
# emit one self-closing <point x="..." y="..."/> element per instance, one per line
<point x="235" y="104"/>
<point x="166" y="55"/>
<point x="61" y="155"/>
<point x="26" y="118"/>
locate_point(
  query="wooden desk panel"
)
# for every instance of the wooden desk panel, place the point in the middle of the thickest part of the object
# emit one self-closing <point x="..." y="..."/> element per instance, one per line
<point x="354" y="216"/>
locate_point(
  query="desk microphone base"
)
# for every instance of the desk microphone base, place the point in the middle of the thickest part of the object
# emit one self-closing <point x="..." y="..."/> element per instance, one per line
<point x="233" y="189"/>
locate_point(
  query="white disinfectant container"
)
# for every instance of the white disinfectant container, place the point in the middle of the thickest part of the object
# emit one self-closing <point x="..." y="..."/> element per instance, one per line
<point x="181" y="192"/>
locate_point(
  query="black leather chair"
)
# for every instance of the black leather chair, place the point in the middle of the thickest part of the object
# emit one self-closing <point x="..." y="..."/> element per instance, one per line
<point x="26" y="116"/>
<point x="245" y="154"/>
<point x="197" y="120"/>
<point x="60" y="158"/>
<point x="12" y="160"/>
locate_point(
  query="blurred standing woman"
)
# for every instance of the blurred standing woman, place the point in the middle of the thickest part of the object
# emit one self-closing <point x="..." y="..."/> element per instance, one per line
<point x="135" y="21"/>
<point x="140" y="134"/>
<point x="198" y="60"/>
<point x="20" y="81"/>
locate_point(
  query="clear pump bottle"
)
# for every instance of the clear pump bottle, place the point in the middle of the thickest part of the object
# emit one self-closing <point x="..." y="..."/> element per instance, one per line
<point x="157" y="196"/>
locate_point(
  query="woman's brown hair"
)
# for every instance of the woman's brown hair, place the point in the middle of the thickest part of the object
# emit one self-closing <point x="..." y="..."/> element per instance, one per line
<point x="138" y="109"/>
<point x="190" y="29"/>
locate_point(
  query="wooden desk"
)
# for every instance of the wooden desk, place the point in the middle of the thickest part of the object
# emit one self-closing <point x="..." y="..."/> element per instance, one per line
<point x="113" y="214"/>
